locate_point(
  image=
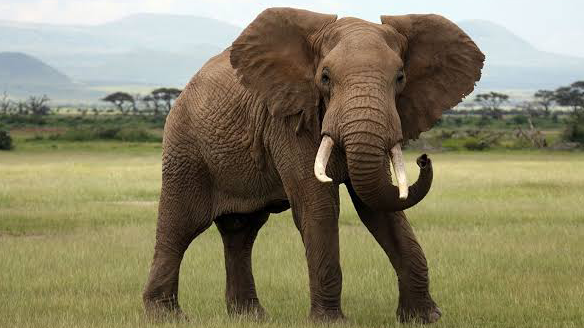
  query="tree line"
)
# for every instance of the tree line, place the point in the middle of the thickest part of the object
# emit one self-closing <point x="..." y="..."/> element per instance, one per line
<point x="571" y="96"/>
<point x="158" y="102"/>
<point x="33" y="105"/>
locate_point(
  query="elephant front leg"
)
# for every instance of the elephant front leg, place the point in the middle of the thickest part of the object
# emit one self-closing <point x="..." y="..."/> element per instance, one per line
<point x="238" y="233"/>
<point x="395" y="235"/>
<point x="318" y="224"/>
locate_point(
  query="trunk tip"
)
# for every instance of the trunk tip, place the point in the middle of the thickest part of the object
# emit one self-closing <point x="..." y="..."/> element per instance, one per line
<point x="423" y="161"/>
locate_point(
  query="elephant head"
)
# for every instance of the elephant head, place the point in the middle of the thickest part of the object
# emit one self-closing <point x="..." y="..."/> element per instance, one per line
<point x="363" y="87"/>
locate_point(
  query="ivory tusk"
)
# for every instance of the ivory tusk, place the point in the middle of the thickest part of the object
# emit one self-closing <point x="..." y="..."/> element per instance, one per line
<point x="322" y="157"/>
<point x="397" y="161"/>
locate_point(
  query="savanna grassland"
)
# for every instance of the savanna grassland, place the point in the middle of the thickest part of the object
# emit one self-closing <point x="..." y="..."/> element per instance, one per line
<point x="503" y="233"/>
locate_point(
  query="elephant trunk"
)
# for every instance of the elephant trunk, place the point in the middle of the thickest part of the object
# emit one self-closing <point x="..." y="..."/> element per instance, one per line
<point x="368" y="166"/>
<point x="366" y="138"/>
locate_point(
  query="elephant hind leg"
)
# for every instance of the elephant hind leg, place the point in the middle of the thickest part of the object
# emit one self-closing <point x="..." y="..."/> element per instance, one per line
<point x="238" y="232"/>
<point x="184" y="212"/>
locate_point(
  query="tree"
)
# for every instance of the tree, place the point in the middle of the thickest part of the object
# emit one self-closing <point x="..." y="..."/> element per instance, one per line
<point x="491" y="103"/>
<point x="21" y="108"/>
<point x="152" y="104"/>
<point x="571" y="96"/>
<point x="531" y="108"/>
<point x="545" y="98"/>
<point x="123" y="101"/>
<point x="166" y="95"/>
<point x="5" y="103"/>
<point x="134" y="105"/>
<point x="574" y="131"/>
<point x="37" y="105"/>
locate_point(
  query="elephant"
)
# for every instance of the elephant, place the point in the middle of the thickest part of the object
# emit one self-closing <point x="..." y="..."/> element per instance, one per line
<point x="300" y="103"/>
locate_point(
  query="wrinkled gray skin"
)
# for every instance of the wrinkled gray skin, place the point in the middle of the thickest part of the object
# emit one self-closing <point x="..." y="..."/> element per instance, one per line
<point x="241" y="140"/>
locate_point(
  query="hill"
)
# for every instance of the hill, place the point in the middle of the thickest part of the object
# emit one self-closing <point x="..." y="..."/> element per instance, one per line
<point x="160" y="49"/>
<point x="22" y="75"/>
<point x="143" y="48"/>
<point x="18" y="68"/>
<point x="513" y="63"/>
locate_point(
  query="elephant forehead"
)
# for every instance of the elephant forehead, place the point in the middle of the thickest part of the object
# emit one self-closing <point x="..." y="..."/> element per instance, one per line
<point x="355" y="56"/>
<point x="355" y="28"/>
<point x="357" y="35"/>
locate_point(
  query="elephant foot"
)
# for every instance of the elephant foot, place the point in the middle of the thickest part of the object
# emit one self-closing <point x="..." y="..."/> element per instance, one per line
<point x="251" y="309"/>
<point x="327" y="316"/>
<point x="164" y="310"/>
<point x="422" y="315"/>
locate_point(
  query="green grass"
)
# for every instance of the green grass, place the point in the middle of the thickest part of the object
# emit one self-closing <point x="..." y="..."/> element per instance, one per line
<point x="503" y="234"/>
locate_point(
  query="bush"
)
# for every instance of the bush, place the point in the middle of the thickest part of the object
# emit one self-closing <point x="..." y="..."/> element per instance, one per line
<point x="136" y="135"/>
<point x="122" y="134"/>
<point x="5" y="140"/>
<point x="520" y="119"/>
<point x="23" y="120"/>
<point x="574" y="131"/>
<point x="477" y="145"/>
<point x="484" y="121"/>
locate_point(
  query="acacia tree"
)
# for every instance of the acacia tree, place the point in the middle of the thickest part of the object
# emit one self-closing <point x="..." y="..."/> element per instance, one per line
<point x="545" y="98"/>
<point x="123" y="101"/>
<point x="5" y="103"/>
<point x="37" y="105"/>
<point x="152" y="104"/>
<point x="531" y="108"/>
<point x="571" y="96"/>
<point x="491" y="103"/>
<point x="166" y="96"/>
<point x="21" y="108"/>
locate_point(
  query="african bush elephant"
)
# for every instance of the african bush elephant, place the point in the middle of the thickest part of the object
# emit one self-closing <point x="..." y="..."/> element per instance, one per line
<point x="299" y="104"/>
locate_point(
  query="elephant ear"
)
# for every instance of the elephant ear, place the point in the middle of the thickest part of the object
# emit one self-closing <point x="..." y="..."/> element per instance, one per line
<point x="442" y="64"/>
<point x="276" y="57"/>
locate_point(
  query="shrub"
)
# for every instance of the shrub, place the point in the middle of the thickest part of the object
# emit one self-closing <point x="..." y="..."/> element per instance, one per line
<point x="5" y="140"/>
<point x="446" y="134"/>
<point x="23" y="120"/>
<point x="520" y="119"/>
<point x="474" y="144"/>
<point x="574" y="131"/>
<point x="137" y="135"/>
<point x="484" y="121"/>
<point x="122" y="134"/>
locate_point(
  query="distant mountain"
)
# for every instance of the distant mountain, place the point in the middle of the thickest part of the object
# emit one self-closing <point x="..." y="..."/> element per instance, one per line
<point x="22" y="75"/>
<point x="143" y="48"/>
<point x="513" y="63"/>
<point x="166" y="50"/>
<point x="19" y="68"/>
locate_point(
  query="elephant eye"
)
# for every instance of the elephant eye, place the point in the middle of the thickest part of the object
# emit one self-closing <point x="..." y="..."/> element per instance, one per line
<point x="401" y="77"/>
<point x="325" y="79"/>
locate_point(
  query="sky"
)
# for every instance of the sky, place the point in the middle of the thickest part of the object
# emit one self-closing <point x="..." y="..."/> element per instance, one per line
<point x="555" y="26"/>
